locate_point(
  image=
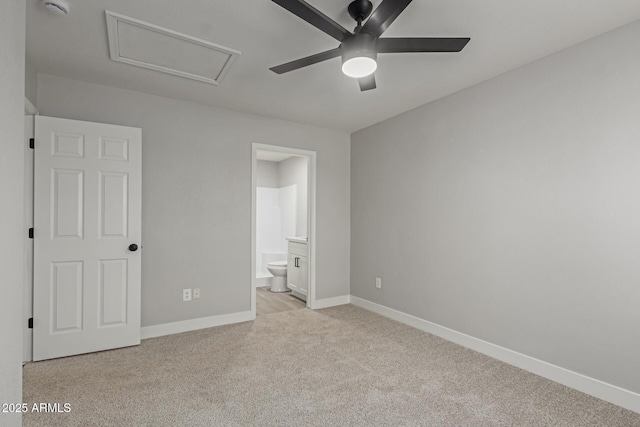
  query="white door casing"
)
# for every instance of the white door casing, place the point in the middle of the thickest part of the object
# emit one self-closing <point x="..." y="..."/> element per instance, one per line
<point x="87" y="211"/>
<point x="27" y="294"/>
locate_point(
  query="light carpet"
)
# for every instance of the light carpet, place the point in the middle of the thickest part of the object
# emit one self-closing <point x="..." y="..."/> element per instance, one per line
<point x="341" y="366"/>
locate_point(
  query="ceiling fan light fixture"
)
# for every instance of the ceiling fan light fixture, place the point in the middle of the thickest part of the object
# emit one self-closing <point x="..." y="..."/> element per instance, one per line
<point x="359" y="66"/>
<point x="359" y="56"/>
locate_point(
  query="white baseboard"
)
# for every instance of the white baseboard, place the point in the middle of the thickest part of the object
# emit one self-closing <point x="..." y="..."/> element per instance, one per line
<point x="224" y="319"/>
<point x="332" y="302"/>
<point x="194" y="324"/>
<point x="611" y="393"/>
<point x="262" y="282"/>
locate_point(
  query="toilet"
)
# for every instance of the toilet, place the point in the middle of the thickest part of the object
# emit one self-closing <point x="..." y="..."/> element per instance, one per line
<point x="279" y="271"/>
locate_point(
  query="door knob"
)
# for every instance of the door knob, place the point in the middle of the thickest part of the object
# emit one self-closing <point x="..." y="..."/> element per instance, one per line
<point x="133" y="247"/>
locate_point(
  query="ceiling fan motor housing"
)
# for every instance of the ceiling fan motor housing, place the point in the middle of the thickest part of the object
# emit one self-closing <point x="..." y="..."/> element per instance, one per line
<point x="360" y="45"/>
<point x="359" y="10"/>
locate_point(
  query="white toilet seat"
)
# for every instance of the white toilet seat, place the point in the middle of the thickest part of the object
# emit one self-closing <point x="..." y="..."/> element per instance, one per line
<point x="278" y="265"/>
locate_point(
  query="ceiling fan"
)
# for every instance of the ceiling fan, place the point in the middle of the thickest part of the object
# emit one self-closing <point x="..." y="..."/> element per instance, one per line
<point x="359" y="50"/>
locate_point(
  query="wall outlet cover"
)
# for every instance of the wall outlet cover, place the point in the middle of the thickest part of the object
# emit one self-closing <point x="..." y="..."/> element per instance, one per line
<point x="378" y="283"/>
<point x="186" y="295"/>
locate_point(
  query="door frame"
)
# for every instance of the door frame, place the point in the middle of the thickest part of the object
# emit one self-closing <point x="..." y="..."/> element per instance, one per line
<point x="30" y="111"/>
<point x="311" y="217"/>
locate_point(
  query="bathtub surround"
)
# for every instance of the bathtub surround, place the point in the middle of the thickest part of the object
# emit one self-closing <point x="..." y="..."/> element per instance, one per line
<point x="267" y="178"/>
<point x="293" y="171"/>
<point x="275" y="221"/>
<point x="509" y="211"/>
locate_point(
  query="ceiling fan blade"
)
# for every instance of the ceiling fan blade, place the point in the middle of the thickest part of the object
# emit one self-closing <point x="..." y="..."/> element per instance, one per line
<point x="309" y="60"/>
<point x="313" y="16"/>
<point x="427" y="44"/>
<point x="367" y="83"/>
<point x="384" y="16"/>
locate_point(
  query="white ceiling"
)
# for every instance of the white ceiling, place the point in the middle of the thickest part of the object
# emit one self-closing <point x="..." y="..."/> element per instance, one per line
<point x="504" y="34"/>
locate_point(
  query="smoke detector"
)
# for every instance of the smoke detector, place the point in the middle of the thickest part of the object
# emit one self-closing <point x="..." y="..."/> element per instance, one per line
<point x="59" y="7"/>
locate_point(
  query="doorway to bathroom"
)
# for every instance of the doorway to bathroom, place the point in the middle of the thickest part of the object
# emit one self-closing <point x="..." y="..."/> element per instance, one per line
<point x="282" y="229"/>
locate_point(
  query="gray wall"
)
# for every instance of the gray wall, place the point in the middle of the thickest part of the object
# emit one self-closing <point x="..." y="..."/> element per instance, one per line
<point x="510" y="211"/>
<point x="12" y="47"/>
<point x="267" y="174"/>
<point x="196" y="186"/>
<point x="294" y="171"/>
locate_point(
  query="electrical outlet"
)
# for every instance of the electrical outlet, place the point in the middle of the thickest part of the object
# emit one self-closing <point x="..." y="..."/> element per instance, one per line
<point x="186" y="295"/>
<point x="378" y="283"/>
<point x="196" y="293"/>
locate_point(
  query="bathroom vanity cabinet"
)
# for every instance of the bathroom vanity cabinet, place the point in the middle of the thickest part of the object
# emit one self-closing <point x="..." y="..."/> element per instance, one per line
<point x="298" y="268"/>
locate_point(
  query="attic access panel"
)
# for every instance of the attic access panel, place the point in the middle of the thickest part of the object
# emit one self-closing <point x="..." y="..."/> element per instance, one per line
<point x="145" y="45"/>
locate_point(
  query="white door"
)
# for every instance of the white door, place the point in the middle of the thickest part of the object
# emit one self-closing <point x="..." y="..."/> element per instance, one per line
<point x="87" y="220"/>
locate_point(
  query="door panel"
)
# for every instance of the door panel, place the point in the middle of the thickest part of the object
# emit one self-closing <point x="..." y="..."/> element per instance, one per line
<point x="87" y="211"/>
<point x="67" y="145"/>
<point x="67" y="204"/>
<point x="114" y="149"/>
<point x="113" y="204"/>
<point x="67" y="283"/>
<point x="113" y="292"/>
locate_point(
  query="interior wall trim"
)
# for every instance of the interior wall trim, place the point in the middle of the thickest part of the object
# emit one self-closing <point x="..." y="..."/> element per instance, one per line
<point x="223" y="319"/>
<point x="332" y="302"/>
<point x="600" y="389"/>
<point x="194" y="324"/>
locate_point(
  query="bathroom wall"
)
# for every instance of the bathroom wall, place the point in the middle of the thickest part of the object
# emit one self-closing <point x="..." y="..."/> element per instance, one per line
<point x="294" y="170"/>
<point x="267" y="174"/>
<point x="510" y="211"/>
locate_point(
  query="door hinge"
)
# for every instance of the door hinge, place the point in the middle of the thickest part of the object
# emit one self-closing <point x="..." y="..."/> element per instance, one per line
<point x="30" y="323"/>
<point x="32" y="143"/>
<point x="31" y="233"/>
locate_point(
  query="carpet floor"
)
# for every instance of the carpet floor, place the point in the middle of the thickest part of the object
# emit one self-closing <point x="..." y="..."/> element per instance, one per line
<point x="341" y="366"/>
